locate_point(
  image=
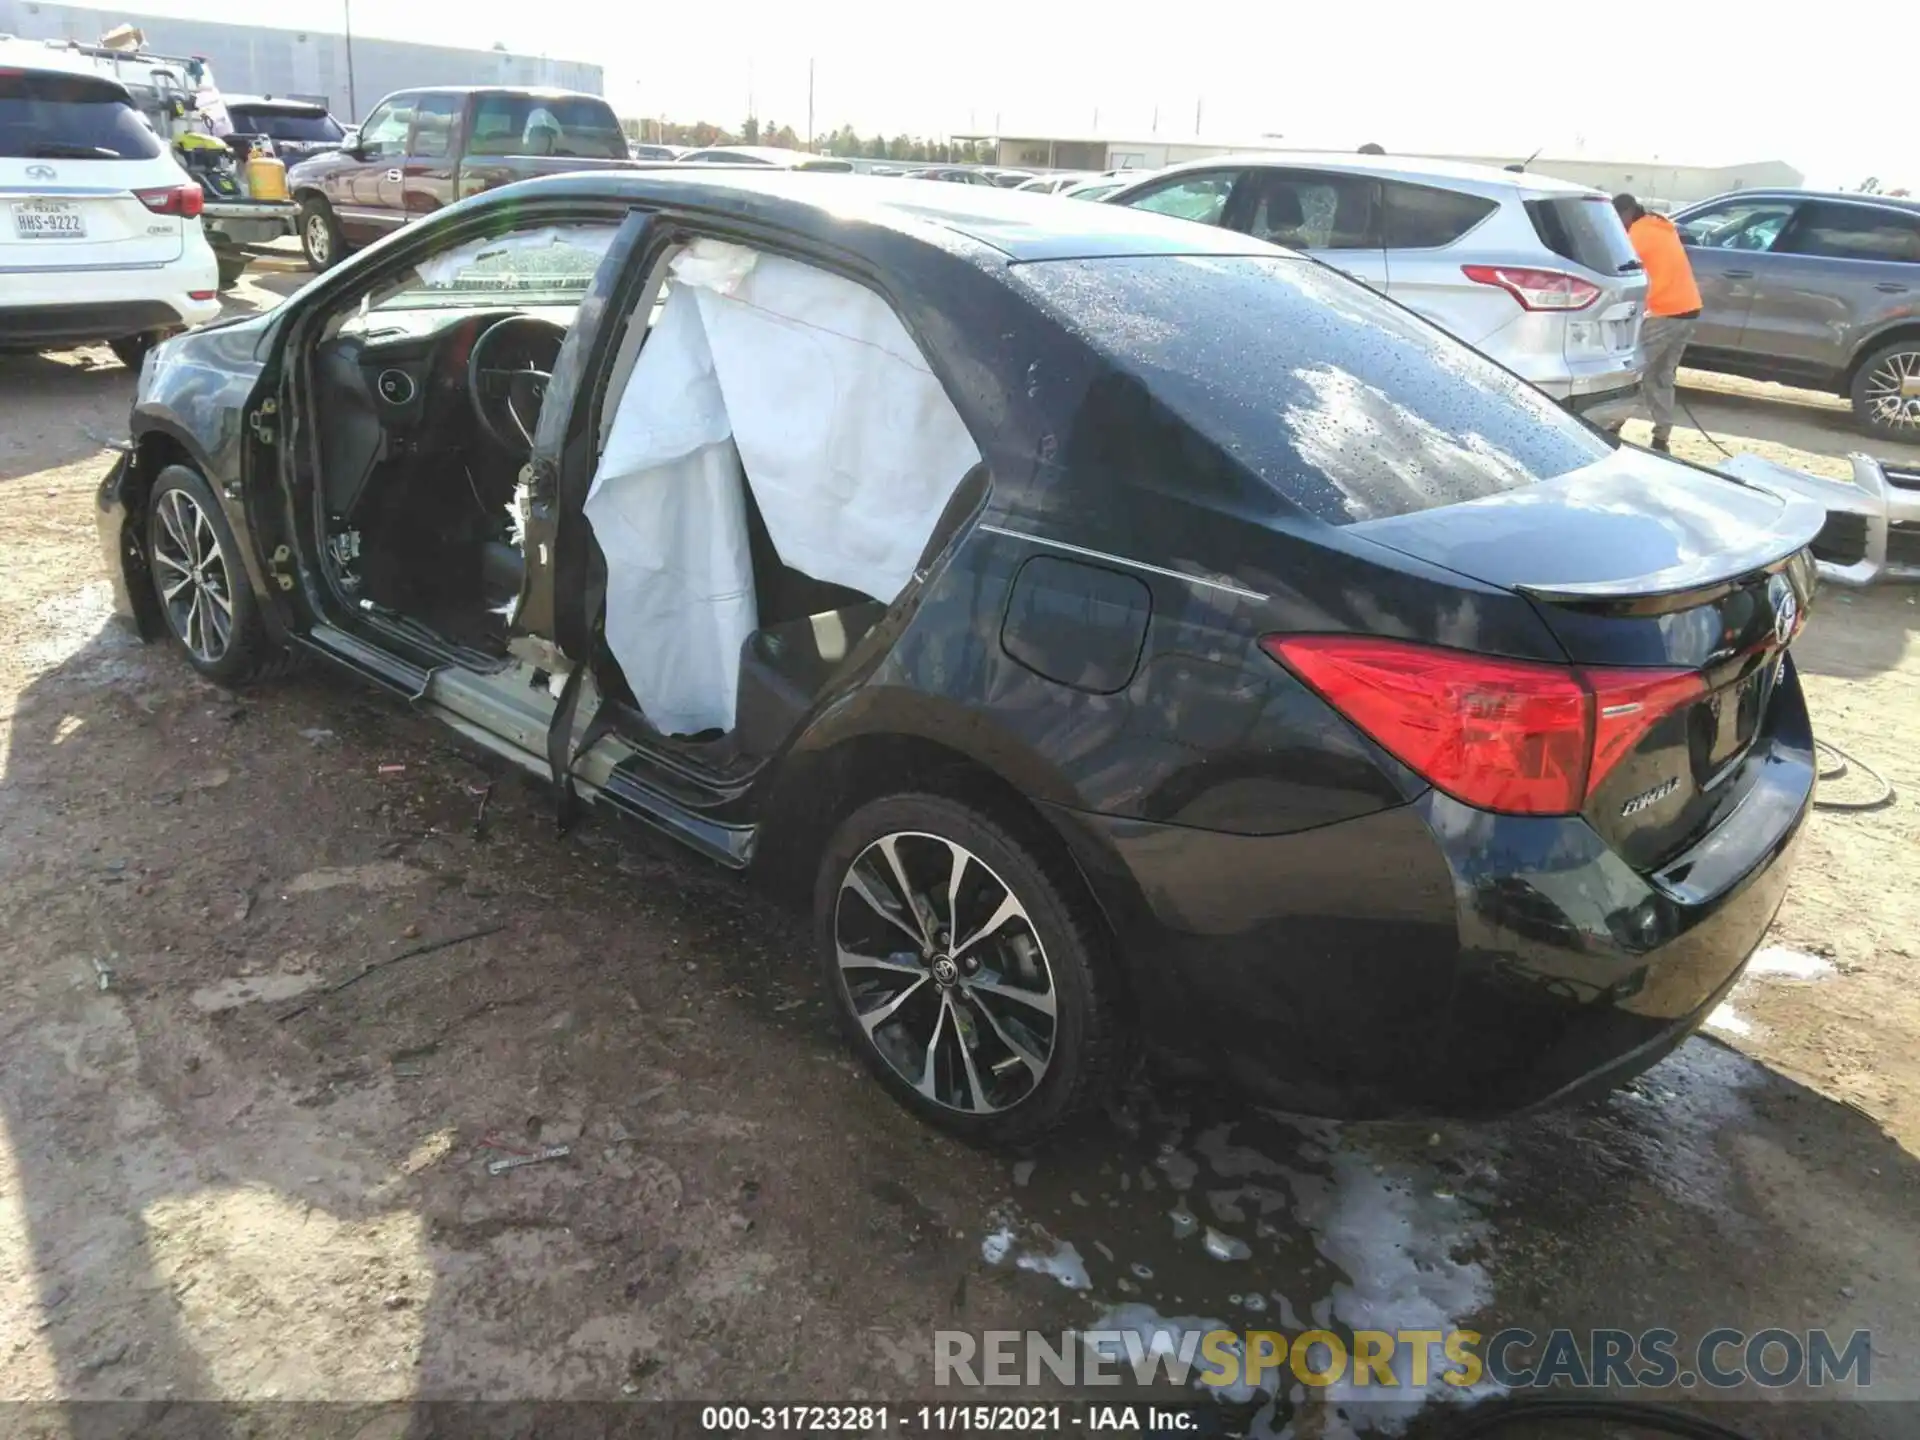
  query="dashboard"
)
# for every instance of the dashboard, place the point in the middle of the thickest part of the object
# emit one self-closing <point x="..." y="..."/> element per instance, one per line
<point x="414" y="362"/>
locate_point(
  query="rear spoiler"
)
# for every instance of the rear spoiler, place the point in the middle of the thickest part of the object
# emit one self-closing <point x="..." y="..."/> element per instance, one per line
<point x="1800" y="520"/>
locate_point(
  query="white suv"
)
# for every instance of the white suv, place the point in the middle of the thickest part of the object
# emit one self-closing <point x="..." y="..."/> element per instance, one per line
<point x="1536" y="273"/>
<point x="100" y="236"/>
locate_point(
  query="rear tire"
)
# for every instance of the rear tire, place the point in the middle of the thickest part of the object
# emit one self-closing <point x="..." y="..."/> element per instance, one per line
<point x="320" y="238"/>
<point x="1879" y="405"/>
<point x="232" y="264"/>
<point x="205" y="598"/>
<point x="130" y="350"/>
<point x="1000" y="1024"/>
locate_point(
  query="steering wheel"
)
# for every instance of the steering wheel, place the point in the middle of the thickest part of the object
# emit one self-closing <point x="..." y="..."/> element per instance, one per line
<point x="506" y="396"/>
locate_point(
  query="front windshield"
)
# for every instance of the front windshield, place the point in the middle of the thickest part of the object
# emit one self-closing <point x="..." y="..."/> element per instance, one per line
<point x="550" y="266"/>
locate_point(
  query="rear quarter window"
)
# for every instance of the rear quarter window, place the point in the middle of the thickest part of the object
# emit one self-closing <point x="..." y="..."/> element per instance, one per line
<point x="575" y="126"/>
<point x="69" y="117"/>
<point x="1348" y="406"/>
<point x="1586" y="230"/>
<point x="1425" y="217"/>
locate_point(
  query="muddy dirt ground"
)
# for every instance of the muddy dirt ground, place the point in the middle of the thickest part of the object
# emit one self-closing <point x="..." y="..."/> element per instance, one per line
<point x="233" y="1165"/>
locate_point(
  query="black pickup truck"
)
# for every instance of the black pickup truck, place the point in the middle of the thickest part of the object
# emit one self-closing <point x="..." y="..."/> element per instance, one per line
<point x="419" y="150"/>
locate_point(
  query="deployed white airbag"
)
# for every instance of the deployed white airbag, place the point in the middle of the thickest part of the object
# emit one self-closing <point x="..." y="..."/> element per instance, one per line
<point x="669" y="512"/>
<point x="850" y="444"/>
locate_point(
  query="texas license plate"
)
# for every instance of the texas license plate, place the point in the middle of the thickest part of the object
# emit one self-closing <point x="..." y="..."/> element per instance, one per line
<point x="48" y="220"/>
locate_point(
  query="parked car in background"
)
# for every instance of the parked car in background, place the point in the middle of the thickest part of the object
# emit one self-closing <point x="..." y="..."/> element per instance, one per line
<point x="769" y="155"/>
<point x="1007" y="179"/>
<point x="1053" y="184"/>
<point x="100" y="239"/>
<point x="1535" y="272"/>
<point x="299" y="129"/>
<point x="1323" y="702"/>
<point x="420" y="150"/>
<point x="954" y="175"/>
<point x="1820" y="290"/>
<point x="1097" y="189"/>
<point x="642" y="150"/>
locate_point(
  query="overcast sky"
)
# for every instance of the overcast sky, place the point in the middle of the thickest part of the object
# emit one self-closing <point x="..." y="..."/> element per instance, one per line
<point x="1683" y="81"/>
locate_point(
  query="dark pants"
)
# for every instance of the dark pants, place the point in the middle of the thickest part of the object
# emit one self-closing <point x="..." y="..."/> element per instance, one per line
<point x="1665" y="340"/>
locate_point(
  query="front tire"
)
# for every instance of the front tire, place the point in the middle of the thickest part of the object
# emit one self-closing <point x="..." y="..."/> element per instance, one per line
<point x="320" y="238"/>
<point x="205" y="598"/>
<point x="1886" y="391"/>
<point x="965" y="969"/>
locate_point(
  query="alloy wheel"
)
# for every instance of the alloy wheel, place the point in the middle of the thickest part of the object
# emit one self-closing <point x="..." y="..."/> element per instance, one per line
<point x="1892" y="391"/>
<point x="195" y="586"/>
<point x="319" y="240"/>
<point x="945" y="972"/>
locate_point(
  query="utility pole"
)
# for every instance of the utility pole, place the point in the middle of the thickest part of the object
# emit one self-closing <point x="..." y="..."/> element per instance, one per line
<point x="1156" y="120"/>
<point x="809" y="105"/>
<point x="1198" y="105"/>
<point x="353" y="104"/>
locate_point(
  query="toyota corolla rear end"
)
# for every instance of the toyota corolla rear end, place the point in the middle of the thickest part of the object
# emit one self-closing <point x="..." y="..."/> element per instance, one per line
<point x="1523" y="755"/>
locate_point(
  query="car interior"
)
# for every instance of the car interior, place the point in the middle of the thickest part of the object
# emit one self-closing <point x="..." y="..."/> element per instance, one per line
<point x="431" y="410"/>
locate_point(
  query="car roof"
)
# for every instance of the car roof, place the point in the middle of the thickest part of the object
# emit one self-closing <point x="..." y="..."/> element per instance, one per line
<point x="538" y="92"/>
<point x="1413" y="168"/>
<point x="276" y="102"/>
<point x="1906" y="203"/>
<point x="1021" y="226"/>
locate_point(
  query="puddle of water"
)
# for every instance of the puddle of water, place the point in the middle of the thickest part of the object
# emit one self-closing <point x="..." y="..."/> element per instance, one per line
<point x="241" y="990"/>
<point x="1270" y="1219"/>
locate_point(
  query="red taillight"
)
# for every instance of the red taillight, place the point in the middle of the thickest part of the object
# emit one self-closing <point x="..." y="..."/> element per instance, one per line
<point x="1507" y="735"/>
<point x="186" y="201"/>
<point x="1536" y="289"/>
<point x="203" y="294"/>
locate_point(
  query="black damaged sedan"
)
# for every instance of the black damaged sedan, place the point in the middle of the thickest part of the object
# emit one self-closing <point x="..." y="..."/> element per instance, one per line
<point x="1125" y="631"/>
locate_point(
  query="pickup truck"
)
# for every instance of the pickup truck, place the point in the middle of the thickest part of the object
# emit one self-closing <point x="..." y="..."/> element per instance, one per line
<point x="420" y="150"/>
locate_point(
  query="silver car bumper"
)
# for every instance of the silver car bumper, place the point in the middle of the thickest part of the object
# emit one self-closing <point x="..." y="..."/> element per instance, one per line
<point x="1873" y="521"/>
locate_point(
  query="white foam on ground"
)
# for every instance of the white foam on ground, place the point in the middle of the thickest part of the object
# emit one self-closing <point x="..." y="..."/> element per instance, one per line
<point x="1729" y="1021"/>
<point x="1792" y="964"/>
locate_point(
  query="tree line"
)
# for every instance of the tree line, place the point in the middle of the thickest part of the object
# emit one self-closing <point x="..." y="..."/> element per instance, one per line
<point x="845" y="142"/>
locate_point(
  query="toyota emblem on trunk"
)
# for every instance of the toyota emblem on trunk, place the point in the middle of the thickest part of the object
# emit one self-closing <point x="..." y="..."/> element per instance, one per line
<point x="1786" y="609"/>
<point x="42" y="172"/>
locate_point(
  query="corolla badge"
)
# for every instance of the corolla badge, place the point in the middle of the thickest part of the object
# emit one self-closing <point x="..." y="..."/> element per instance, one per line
<point x="42" y="172"/>
<point x="1786" y="609"/>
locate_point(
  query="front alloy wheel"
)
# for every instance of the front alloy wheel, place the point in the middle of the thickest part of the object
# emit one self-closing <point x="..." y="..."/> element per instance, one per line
<point x="1886" y="392"/>
<point x="966" y="970"/>
<point x="203" y="592"/>
<point x="190" y="572"/>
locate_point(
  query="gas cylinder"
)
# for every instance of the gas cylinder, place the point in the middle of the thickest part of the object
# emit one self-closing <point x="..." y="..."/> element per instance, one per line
<point x="266" y="175"/>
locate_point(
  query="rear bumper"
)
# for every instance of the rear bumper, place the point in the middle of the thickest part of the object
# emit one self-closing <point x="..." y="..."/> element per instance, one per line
<point x="1873" y="520"/>
<point x="44" y="309"/>
<point x="253" y="223"/>
<point x="1435" y="959"/>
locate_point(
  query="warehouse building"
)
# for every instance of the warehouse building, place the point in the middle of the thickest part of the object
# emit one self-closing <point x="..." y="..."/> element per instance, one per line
<point x="308" y="64"/>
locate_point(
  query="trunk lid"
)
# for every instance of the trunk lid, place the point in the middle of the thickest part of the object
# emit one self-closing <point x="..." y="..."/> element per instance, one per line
<point x="1587" y="230"/>
<point x="1641" y="564"/>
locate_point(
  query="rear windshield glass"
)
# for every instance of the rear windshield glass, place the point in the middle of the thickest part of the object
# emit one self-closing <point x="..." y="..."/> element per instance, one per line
<point x="576" y="126"/>
<point x="1347" y="405"/>
<point x="284" y="124"/>
<point x="1585" y="230"/>
<point x="69" y="117"/>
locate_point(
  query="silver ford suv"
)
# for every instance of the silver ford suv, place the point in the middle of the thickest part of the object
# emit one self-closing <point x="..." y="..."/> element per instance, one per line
<point x="1533" y="272"/>
<point x="1813" y="289"/>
